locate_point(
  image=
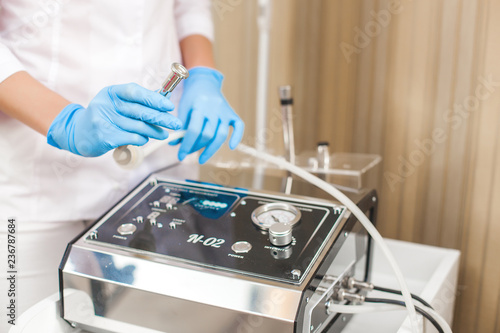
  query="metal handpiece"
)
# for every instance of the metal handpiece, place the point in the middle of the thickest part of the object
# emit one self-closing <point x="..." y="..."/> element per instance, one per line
<point x="178" y="73"/>
<point x="129" y="156"/>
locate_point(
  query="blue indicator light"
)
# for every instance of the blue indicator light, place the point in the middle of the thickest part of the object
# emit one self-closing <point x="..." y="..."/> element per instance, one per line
<point x="214" y="204"/>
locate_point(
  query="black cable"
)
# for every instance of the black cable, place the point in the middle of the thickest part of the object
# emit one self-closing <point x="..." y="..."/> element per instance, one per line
<point x="401" y="303"/>
<point x="398" y="292"/>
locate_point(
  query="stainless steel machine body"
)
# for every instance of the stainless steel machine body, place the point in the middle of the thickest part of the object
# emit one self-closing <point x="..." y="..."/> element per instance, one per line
<point x="183" y="257"/>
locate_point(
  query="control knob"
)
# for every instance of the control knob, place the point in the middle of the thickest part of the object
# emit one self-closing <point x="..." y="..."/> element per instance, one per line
<point x="280" y="234"/>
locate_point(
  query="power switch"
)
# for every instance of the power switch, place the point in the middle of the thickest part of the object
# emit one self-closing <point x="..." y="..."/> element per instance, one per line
<point x="126" y="229"/>
<point x="241" y="247"/>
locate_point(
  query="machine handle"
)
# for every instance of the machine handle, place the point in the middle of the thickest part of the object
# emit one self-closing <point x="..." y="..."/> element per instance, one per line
<point x="129" y="156"/>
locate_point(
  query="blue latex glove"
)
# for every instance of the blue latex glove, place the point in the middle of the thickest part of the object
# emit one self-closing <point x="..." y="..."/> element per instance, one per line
<point x="206" y="115"/>
<point x="126" y="114"/>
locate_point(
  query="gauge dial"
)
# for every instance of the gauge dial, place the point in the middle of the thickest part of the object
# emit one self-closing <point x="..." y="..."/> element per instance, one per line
<point x="276" y="212"/>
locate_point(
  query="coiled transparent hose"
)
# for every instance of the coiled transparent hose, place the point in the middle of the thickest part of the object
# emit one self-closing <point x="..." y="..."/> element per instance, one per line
<point x="344" y="200"/>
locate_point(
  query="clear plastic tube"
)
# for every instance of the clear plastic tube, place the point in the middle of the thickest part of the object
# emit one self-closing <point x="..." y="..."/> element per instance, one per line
<point x="355" y="309"/>
<point x="343" y="199"/>
<point x="351" y="206"/>
<point x="439" y="319"/>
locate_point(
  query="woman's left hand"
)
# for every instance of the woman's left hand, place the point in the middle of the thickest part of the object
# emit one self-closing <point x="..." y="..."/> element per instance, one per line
<point x="206" y="115"/>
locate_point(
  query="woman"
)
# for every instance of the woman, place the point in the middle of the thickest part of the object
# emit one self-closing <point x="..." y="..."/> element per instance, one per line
<point x="66" y="100"/>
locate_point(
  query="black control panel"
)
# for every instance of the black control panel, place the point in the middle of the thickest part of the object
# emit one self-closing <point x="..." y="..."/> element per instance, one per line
<point x="221" y="228"/>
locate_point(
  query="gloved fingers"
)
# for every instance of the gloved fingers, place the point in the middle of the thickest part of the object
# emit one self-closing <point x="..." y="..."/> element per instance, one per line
<point x="92" y="144"/>
<point x="184" y="114"/>
<point x="195" y="127"/>
<point x="141" y="128"/>
<point x="216" y="143"/>
<point x="148" y="115"/>
<point x="134" y="93"/>
<point x="208" y="132"/>
<point x="175" y="142"/>
<point x="238" y="130"/>
<point x="127" y="138"/>
<point x="112" y="136"/>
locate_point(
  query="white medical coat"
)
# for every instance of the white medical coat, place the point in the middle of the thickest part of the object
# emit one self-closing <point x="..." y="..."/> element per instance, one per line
<point x="76" y="48"/>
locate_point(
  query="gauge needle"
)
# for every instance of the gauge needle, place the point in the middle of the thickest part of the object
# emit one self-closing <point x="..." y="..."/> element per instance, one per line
<point x="275" y="219"/>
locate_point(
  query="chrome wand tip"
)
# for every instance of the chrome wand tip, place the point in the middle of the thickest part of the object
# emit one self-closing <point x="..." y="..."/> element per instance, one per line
<point x="178" y="74"/>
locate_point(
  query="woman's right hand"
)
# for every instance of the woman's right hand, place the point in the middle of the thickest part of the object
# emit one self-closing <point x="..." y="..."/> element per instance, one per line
<point x="119" y="115"/>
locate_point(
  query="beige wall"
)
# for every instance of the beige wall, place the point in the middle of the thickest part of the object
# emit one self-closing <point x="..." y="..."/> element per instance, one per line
<point x="412" y="92"/>
<point x="236" y="56"/>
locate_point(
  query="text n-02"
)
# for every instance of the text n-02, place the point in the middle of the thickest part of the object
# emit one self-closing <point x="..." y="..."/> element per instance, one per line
<point x="210" y="241"/>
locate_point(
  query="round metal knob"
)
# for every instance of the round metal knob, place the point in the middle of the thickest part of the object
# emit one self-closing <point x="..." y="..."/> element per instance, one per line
<point x="280" y="234"/>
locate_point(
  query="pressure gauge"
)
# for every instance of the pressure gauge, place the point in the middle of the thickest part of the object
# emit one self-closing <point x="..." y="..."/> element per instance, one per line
<point x="277" y="212"/>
